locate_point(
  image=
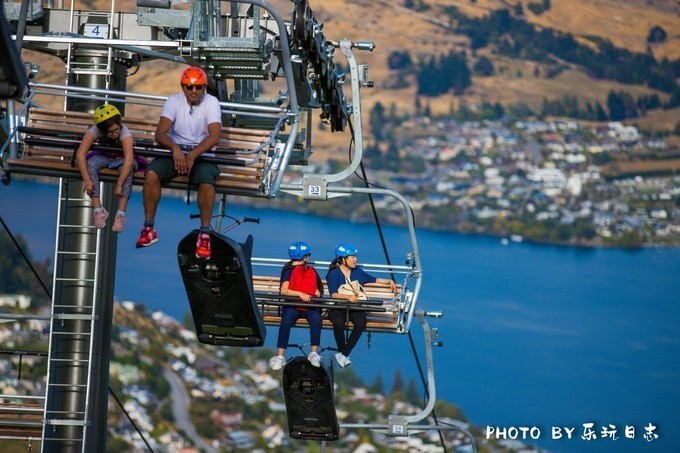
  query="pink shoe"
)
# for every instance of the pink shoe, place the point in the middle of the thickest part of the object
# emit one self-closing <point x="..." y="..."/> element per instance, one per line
<point x="100" y="216"/>
<point x="119" y="223"/>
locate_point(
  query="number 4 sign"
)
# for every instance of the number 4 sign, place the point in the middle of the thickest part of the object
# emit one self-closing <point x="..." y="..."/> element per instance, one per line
<point x="96" y="31"/>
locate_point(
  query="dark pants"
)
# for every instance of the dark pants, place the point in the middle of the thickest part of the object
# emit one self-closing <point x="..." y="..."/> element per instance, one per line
<point x="202" y="172"/>
<point x="358" y="320"/>
<point x="289" y="317"/>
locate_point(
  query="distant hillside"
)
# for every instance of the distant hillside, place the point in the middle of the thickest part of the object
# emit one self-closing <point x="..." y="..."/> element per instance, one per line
<point x="16" y="276"/>
<point x="433" y="31"/>
<point x="426" y="29"/>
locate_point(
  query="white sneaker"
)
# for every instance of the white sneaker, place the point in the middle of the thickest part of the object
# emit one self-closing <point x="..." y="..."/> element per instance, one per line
<point x="277" y="362"/>
<point x="342" y="360"/>
<point x="314" y="359"/>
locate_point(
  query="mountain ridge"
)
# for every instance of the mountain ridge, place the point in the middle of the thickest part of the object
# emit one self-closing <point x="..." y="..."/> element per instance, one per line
<point x="425" y="33"/>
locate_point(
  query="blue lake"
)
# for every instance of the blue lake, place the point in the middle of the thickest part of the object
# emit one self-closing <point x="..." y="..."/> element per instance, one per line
<point x="533" y="335"/>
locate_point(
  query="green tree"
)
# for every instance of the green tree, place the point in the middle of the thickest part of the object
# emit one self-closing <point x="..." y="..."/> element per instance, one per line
<point x="15" y="273"/>
<point x="657" y="35"/>
<point x="348" y="379"/>
<point x="377" y="121"/>
<point x="600" y="113"/>
<point x="536" y="8"/>
<point x="399" y="60"/>
<point x="412" y="394"/>
<point x="445" y="409"/>
<point x="188" y="321"/>
<point x="498" y="110"/>
<point x="631" y="239"/>
<point x="483" y="67"/>
<point x="436" y="76"/>
<point x="392" y="156"/>
<point x="166" y="412"/>
<point x="519" y="10"/>
<point x="393" y="114"/>
<point x="617" y="109"/>
<point x="378" y="386"/>
<point x="585" y="230"/>
<point x="398" y="383"/>
<point x="116" y="444"/>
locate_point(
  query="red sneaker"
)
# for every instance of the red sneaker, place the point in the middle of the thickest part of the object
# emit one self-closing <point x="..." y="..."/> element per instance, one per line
<point x="203" y="246"/>
<point x="147" y="238"/>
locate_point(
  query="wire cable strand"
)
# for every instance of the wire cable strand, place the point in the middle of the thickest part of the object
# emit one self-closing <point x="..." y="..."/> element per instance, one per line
<point x="49" y="294"/>
<point x="363" y="177"/>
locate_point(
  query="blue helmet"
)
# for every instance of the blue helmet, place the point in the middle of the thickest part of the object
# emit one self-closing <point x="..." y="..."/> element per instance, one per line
<point x="345" y="249"/>
<point x="299" y="250"/>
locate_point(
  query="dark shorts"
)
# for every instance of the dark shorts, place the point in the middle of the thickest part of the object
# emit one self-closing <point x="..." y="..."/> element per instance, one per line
<point x="202" y="172"/>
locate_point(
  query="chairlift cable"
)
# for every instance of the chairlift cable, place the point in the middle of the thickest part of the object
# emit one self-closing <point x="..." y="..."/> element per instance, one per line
<point x="49" y="294"/>
<point x="28" y="261"/>
<point x="370" y="199"/>
<point x="427" y="390"/>
<point x="368" y="183"/>
<point x="131" y="420"/>
<point x="364" y="178"/>
<point x="473" y="442"/>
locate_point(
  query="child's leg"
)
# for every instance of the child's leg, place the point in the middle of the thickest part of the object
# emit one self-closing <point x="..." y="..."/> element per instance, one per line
<point x="127" y="191"/>
<point x="119" y="223"/>
<point x="95" y="163"/>
<point x="314" y="318"/>
<point x="122" y="204"/>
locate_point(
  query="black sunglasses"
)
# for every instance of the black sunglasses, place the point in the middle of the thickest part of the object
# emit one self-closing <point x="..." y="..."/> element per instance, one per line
<point x="194" y="87"/>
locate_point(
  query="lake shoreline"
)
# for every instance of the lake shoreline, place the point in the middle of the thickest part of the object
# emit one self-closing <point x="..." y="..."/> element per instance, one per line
<point x="275" y="206"/>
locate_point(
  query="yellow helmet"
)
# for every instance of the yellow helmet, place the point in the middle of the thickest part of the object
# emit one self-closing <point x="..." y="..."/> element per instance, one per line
<point x="104" y="112"/>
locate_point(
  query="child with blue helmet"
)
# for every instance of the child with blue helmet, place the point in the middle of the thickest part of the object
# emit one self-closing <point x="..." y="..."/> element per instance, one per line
<point x="300" y="280"/>
<point x="343" y="270"/>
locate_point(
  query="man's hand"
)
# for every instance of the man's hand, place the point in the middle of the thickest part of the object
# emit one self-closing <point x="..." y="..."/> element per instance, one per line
<point x="180" y="161"/>
<point x="190" y="159"/>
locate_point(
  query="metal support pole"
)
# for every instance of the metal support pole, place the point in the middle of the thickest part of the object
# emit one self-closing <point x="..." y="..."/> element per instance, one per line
<point x="12" y="123"/>
<point x="97" y="412"/>
<point x="346" y="48"/>
<point x="85" y="260"/>
<point x="399" y="425"/>
<point x="65" y="345"/>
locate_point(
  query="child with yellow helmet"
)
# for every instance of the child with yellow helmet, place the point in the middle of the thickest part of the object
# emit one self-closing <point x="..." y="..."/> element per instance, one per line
<point x="109" y="132"/>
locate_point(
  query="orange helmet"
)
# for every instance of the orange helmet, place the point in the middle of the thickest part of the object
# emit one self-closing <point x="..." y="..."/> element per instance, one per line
<point x="194" y="76"/>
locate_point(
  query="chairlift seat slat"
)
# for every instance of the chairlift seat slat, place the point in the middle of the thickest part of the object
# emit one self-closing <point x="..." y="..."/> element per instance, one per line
<point x="386" y="319"/>
<point x="50" y="138"/>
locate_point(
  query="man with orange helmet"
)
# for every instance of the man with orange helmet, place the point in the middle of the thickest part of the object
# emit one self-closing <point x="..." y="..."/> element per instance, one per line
<point x="189" y="126"/>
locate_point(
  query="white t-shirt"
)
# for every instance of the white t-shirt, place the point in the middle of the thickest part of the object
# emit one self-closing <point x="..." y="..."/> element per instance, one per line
<point x="190" y="123"/>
